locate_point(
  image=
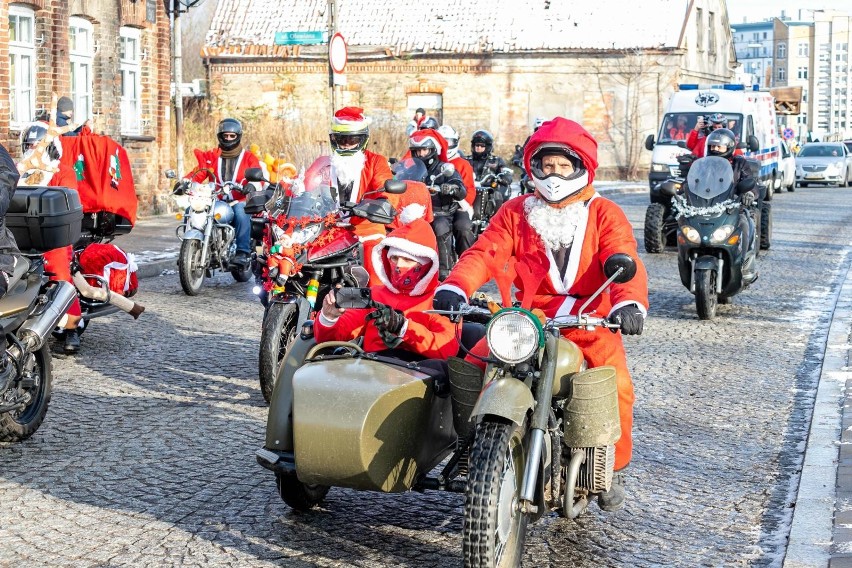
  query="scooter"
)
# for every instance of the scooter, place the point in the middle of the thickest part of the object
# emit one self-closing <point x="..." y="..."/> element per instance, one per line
<point x="717" y="244"/>
<point x="345" y="418"/>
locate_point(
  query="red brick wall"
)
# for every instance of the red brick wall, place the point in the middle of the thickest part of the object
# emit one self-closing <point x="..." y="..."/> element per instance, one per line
<point x="151" y="152"/>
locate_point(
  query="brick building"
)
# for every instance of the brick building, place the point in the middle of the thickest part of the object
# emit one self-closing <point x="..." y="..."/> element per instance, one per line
<point x="111" y="57"/>
<point x="610" y="65"/>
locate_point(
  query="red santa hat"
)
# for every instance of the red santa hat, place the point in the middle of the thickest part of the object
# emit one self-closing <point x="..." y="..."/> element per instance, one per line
<point x="563" y="131"/>
<point x="349" y="120"/>
<point x="419" y="136"/>
<point x="416" y="241"/>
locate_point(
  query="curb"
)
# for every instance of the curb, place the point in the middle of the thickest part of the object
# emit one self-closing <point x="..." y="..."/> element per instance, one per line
<point x="155" y="267"/>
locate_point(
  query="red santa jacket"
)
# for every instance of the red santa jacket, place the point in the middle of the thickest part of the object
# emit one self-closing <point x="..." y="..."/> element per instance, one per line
<point x="465" y="170"/>
<point x="211" y="161"/>
<point x="430" y="335"/>
<point x="374" y="175"/>
<point x="602" y="232"/>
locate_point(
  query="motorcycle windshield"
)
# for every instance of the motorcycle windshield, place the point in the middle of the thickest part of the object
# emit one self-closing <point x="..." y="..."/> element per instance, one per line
<point x="409" y="169"/>
<point x="317" y="199"/>
<point x="710" y="181"/>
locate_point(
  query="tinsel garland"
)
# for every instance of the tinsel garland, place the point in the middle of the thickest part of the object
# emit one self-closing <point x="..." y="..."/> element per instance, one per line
<point x="682" y="209"/>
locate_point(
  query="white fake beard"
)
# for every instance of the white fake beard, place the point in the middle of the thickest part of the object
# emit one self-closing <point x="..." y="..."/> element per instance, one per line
<point x="348" y="168"/>
<point x="556" y="227"/>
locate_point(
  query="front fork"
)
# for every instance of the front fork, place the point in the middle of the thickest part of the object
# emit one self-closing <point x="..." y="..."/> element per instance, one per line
<point x="718" y="267"/>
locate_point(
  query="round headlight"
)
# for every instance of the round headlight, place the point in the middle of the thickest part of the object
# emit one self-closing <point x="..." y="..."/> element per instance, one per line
<point x="513" y="336"/>
<point x="199" y="203"/>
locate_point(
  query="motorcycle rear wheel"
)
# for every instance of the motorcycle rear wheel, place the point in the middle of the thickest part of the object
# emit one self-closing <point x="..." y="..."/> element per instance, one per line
<point x="20" y="426"/>
<point x="494" y="529"/>
<point x="279" y="331"/>
<point x="189" y="267"/>
<point x="299" y="496"/>
<point x="655" y="234"/>
<point x="706" y="299"/>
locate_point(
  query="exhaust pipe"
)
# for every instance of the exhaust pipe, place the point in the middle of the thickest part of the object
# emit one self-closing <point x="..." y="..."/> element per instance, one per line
<point x="34" y="331"/>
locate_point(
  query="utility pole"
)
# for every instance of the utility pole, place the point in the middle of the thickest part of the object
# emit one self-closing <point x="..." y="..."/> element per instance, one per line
<point x="177" y="65"/>
<point x="332" y="15"/>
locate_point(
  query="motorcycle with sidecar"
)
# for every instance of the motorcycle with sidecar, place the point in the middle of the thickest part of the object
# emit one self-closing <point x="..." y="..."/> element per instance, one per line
<point x="535" y="432"/>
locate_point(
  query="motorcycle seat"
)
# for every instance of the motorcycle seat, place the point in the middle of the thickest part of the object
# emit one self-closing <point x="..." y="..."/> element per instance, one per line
<point x="22" y="266"/>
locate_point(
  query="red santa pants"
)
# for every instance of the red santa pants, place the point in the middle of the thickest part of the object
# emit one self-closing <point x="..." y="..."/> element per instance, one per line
<point x="58" y="262"/>
<point x="600" y="347"/>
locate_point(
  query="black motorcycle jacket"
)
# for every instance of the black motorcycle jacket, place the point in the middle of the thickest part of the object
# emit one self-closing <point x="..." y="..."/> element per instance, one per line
<point x="480" y="168"/>
<point x="8" y="182"/>
<point x="742" y="170"/>
<point x="450" y="189"/>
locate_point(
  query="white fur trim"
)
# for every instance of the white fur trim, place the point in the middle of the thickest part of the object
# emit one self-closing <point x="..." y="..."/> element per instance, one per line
<point x="629" y="303"/>
<point x="412" y="248"/>
<point x="466" y="207"/>
<point x="411" y="213"/>
<point x="566" y="307"/>
<point x="564" y="284"/>
<point x="452" y="288"/>
<point x="375" y="237"/>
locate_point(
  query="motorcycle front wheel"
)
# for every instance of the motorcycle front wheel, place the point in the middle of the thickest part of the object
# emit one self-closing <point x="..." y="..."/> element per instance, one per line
<point x="494" y="528"/>
<point x="706" y="298"/>
<point x="299" y="496"/>
<point x="189" y="267"/>
<point x="19" y="425"/>
<point x="279" y="331"/>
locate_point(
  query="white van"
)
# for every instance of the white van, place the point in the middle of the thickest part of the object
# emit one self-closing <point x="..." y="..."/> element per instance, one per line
<point x="749" y="111"/>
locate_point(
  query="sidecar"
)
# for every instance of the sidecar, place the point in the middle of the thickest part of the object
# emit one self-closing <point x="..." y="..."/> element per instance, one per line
<point x="342" y="417"/>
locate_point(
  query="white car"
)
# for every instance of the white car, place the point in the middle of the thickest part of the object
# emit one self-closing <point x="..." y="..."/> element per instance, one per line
<point x="787" y="168"/>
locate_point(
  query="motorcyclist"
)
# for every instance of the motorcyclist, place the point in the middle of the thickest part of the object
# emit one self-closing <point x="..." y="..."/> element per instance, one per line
<point x="562" y="235"/>
<point x="228" y="163"/>
<point x="429" y="122"/>
<point x="358" y="171"/>
<point x="431" y="148"/>
<point x="8" y="248"/>
<point x="464" y="169"/>
<point x="697" y="139"/>
<point x="484" y="162"/>
<point x="56" y="174"/>
<point x="722" y="142"/>
<point x="407" y="264"/>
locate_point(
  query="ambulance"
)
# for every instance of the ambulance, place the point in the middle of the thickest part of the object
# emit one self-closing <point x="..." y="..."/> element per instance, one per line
<point x="750" y="114"/>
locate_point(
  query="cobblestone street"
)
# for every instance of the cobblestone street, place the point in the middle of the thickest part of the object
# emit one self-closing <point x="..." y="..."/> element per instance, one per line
<point x="146" y="457"/>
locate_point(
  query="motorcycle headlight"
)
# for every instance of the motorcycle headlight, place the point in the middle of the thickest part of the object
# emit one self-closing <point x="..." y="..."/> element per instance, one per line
<point x="514" y="335"/>
<point x="306" y="234"/>
<point x="199" y="203"/>
<point x="182" y="202"/>
<point x="659" y="168"/>
<point x="720" y="234"/>
<point x="198" y="220"/>
<point x="691" y="234"/>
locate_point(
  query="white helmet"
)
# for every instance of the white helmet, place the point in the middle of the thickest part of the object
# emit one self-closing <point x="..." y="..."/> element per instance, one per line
<point x="452" y="137"/>
<point x="554" y="187"/>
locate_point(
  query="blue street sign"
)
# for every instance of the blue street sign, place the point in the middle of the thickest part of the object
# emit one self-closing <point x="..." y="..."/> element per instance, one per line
<point x="300" y="38"/>
<point x="788" y="134"/>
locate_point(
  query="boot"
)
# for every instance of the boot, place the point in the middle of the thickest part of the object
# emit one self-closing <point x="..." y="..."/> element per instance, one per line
<point x="613" y="500"/>
<point x="445" y="242"/>
<point x="72" y="342"/>
<point x="465" y="386"/>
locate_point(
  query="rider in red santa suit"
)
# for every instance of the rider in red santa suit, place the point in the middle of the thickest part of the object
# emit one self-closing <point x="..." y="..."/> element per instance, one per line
<point x="358" y="171"/>
<point x="564" y="234"/>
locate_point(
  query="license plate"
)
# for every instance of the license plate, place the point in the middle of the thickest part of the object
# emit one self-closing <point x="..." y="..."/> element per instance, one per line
<point x="813" y="176"/>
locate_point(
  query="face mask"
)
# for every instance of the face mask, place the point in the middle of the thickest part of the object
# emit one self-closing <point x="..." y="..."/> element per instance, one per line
<point x="406" y="280"/>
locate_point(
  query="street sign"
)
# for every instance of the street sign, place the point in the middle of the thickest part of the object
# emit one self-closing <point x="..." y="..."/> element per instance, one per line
<point x="300" y="38"/>
<point x="788" y="134"/>
<point x="337" y="53"/>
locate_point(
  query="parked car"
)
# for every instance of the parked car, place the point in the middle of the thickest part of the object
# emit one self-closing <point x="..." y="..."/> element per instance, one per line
<point x="824" y="162"/>
<point x="787" y="168"/>
<point x="848" y="144"/>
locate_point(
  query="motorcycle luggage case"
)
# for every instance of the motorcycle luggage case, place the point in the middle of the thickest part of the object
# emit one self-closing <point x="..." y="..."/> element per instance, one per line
<point x="367" y="425"/>
<point x="44" y="218"/>
<point x="256" y="201"/>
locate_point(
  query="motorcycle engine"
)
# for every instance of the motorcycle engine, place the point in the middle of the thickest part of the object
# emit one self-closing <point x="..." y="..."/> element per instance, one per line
<point x="597" y="471"/>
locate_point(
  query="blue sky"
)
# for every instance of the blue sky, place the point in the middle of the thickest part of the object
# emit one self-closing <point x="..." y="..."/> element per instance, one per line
<point x="758" y="10"/>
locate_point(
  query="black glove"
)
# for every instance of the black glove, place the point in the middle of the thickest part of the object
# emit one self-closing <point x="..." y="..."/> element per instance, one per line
<point x="747" y="199"/>
<point x="448" y="189"/>
<point x="505" y="178"/>
<point x="245" y="189"/>
<point x="388" y="322"/>
<point x="447" y="300"/>
<point x="630" y="319"/>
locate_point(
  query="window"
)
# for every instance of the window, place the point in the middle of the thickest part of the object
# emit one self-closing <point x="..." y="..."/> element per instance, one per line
<point x="711" y="33"/>
<point x="432" y="103"/>
<point x="130" y="58"/>
<point x="82" y="54"/>
<point x="782" y="50"/>
<point x="803" y="49"/>
<point x="699" y="22"/>
<point x="802" y="73"/>
<point x="782" y="74"/>
<point x="22" y="55"/>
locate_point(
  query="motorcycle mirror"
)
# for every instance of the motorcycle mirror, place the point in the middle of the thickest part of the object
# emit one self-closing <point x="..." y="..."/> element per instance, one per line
<point x="621" y="261"/>
<point x="361" y="276"/>
<point x="649" y="142"/>
<point x="681" y="144"/>
<point x="667" y="188"/>
<point x="753" y="143"/>
<point x="746" y="185"/>
<point x="254" y="174"/>
<point x="392" y="161"/>
<point x="529" y="184"/>
<point x="448" y="170"/>
<point x="353" y="298"/>
<point x="171" y="174"/>
<point x="395" y="187"/>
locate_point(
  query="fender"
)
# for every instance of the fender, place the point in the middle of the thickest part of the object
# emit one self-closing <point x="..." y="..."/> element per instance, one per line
<point x="507" y="398"/>
<point x="193" y="235"/>
<point x="302" y="303"/>
<point x="705" y="262"/>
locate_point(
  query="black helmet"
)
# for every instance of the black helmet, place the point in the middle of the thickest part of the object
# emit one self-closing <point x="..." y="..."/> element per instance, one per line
<point x="721" y="137"/>
<point x="481" y="137"/>
<point x="429" y="122"/>
<point x="31" y="136"/>
<point x="233" y="126"/>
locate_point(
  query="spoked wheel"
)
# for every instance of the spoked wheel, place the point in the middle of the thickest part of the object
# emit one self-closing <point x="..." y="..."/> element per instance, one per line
<point x="706" y="298"/>
<point x="299" y="496"/>
<point x="189" y="267"/>
<point x="279" y="331"/>
<point x="21" y="424"/>
<point x="494" y="527"/>
<point x="655" y="235"/>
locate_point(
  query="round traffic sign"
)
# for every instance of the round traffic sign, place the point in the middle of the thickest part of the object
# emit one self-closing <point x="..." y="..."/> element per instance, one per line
<point x="788" y="133"/>
<point x="337" y="53"/>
